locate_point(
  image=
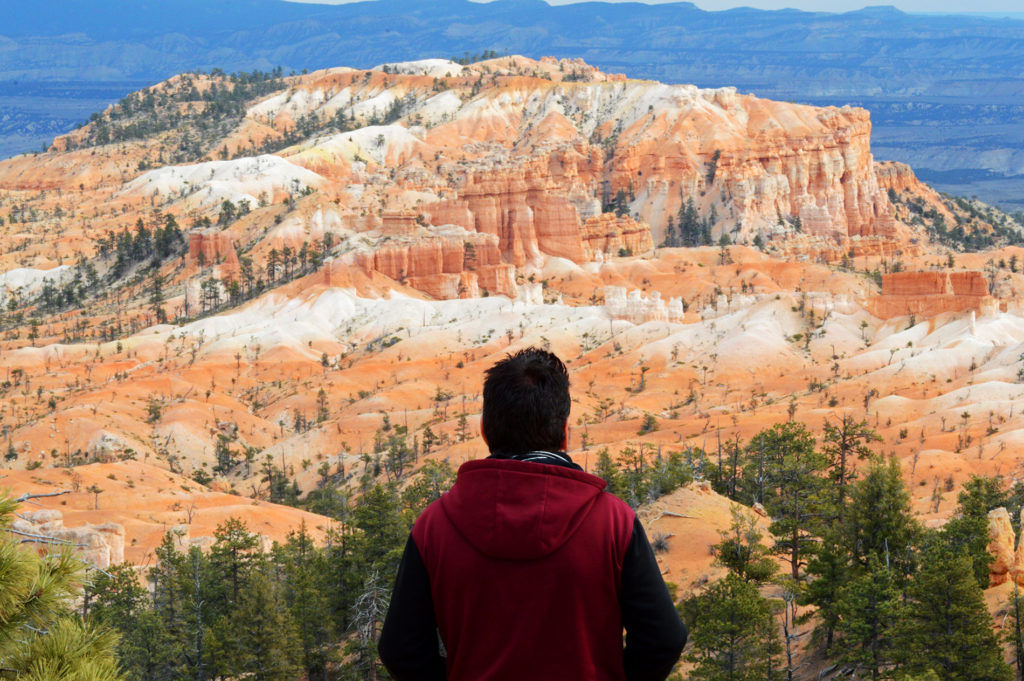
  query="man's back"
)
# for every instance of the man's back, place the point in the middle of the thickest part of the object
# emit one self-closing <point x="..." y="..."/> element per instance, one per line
<point x="525" y="563"/>
<point x="527" y="569"/>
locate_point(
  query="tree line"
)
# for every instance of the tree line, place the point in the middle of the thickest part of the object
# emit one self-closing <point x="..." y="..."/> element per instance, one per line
<point x="885" y="598"/>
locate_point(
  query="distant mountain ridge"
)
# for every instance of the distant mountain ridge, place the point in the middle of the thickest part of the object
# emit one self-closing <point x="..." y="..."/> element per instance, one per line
<point x="877" y="50"/>
<point x="917" y="72"/>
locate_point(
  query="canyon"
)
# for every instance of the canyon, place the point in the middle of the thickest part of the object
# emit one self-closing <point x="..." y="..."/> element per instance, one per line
<point x="358" y="245"/>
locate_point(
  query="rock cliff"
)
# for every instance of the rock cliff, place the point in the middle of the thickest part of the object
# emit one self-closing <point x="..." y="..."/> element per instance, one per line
<point x="454" y="264"/>
<point x="926" y="294"/>
<point x="99" y="545"/>
<point x="1008" y="556"/>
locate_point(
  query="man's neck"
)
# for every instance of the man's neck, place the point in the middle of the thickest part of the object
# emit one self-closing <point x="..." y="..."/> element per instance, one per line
<point x="540" y="456"/>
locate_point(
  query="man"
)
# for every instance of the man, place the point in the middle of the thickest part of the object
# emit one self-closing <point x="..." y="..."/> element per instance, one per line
<point x="527" y="570"/>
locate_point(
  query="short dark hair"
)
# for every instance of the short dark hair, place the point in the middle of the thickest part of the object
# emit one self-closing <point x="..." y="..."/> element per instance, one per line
<point x="526" y="403"/>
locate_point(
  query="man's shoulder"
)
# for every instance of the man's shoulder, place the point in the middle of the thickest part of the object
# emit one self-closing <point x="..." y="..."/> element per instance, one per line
<point x="616" y="511"/>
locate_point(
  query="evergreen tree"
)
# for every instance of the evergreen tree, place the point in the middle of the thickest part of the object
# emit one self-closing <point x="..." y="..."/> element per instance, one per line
<point x="968" y="529"/>
<point x="232" y="557"/>
<point x="145" y="649"/>
<point x="829" y="571"/>
<point x="383" y="532"/>
<point x="633" y="476"/>
<point x="878" y="519"/>
<point x="169" y="603"/>
<point x="40" y="638"/>
<point x="876" y="523"/>
<point x="689" y="225"/>
<point x="1015" y="630"/>
<point x="608" y="471"/>
<point x="868" y="607"/>
<point x="789" y="483"/>
<point x="268" y="646"/>
<point x="947" y="628"/>
<point x="734" y="634"/>
<point x="742" y="552"/>
<point x="433" y="479"/>
<point x="843" y="443"/>
<point x="305" y="583"/>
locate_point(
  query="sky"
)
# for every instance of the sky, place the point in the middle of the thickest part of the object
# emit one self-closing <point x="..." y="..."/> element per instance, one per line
<point x="950" y="6"/>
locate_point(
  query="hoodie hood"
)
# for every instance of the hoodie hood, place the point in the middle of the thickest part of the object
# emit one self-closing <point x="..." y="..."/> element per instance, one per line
<point x="517" y="510"/>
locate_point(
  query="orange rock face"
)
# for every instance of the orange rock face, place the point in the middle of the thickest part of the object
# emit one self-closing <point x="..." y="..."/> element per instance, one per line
<point x="503" y="173"/>
<point x="209" y="247"/>
<point x="927" y="294"/>
<point x="445" y="267"/>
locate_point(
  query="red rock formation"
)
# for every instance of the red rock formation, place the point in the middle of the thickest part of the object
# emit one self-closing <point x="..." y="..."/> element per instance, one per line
<point x="927" y="294"/>
<point x="212" y="248"/>
<point x="1001" y="546"/>
<point x="533" y="209"/>
<point x="609" y="234"/>
<point x="445" y="266"/>
<point x="898" y="177"/>
<point x="398" y="223"/>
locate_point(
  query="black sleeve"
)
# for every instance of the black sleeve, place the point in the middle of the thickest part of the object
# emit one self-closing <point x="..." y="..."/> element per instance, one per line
<point x="655" y="635"/>
<point x="409" y="643"/>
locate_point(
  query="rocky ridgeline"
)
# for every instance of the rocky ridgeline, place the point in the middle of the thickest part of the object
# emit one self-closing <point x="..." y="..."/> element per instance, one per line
<point x="536" y="164"/>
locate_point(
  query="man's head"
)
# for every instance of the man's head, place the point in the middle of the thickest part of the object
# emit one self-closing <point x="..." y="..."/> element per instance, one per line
<point x="526" y="403"/>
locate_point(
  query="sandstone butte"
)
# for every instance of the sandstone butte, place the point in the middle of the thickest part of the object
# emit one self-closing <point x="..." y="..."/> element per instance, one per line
<point x="458" y="213"/>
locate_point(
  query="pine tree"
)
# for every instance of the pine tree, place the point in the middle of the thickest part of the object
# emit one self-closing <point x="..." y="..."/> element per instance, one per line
<point x="829" y="571"/>
<point x="867" y="608"/>
<point x="734" y="634"/>
<point x="790" y="485"/>
<point x="232" y="557"/>
<point x="742" y="552"/>
<point x="269" y="648"/>
<point x="947" y="628"/>
<point x="608" y="471"/>
<point x="169" y="602"/>
<point x="306" y="581"/>
<point x="433" y="479"/>
<point x="878" y="520"/>
<point x="40" y="638"/>
<point x="145" y="649"/>
<point x="383" y="532"/>
<point x="842" y="444"/>
<point x="1015" y="630"/>
<point x="968" y="529"/>
<point x="217" y="591"/>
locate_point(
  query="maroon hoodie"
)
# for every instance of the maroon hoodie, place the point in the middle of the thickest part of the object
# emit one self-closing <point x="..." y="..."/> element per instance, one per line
<point x="525" y="565"/>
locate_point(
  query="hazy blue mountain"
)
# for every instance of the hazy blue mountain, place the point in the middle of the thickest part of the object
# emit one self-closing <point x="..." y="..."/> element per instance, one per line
<point x="945" y="91"/>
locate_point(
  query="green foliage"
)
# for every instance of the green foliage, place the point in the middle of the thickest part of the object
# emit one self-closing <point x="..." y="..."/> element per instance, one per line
<point x="843" y="444"/>
<point x="689" y="229"/>
<point x="378" y="546"/>
<point x="734" y="634"/>
<point x="947" y="628"/>
<point x="868" y="606"/>
<point x="238" y="611"/>
<point x="608" y="471"/>
<point x="877" y="520"/>
<point x="968" y="529"/>
<point x="874" y="527"/>
<point x="742" y="552"/>
<point x="193" y="118"/>
<point x="40" y="637"/>
<point x="785" y="474"/>
<point x="264" y="632"/>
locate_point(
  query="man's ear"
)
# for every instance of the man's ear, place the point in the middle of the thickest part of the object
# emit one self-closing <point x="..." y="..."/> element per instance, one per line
<point x="482" y="433"/>
<point x="565" y="436"/>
